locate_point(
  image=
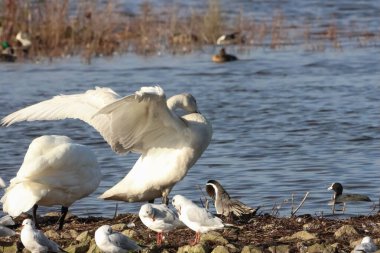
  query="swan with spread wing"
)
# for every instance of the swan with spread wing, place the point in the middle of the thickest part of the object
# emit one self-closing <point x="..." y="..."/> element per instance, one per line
<point x="144" y="122"/>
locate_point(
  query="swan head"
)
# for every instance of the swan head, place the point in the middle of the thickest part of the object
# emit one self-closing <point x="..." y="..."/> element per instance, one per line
<point x="184" y="101"/>
<point x="147" y="211"/>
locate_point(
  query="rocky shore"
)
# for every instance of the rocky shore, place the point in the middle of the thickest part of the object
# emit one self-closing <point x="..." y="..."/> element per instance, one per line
<point x="263" y="233"/>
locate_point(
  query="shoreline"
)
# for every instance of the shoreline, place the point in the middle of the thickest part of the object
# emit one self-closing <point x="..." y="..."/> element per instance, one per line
<point x="56" y="30"/>
<point x="263" y="233"/>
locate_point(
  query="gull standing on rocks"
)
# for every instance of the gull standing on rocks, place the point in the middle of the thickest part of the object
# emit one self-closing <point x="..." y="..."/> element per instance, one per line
<point x="367" y="245"/>
<point x="144" y="123"/>
<point x="196" y="218"/>
<point x="224" y="204"/>
<point x="55" y="171"/>
<point x="159" y="218"/>
<point x="35" y="241"/>
<point x="114" y="242"/>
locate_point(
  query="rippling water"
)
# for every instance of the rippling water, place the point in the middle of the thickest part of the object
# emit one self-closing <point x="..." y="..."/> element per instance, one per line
<point x="284" y="122"/>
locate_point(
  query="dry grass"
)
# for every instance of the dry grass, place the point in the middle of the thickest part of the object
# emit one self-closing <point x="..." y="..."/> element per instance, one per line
<point x="60" y="28"/>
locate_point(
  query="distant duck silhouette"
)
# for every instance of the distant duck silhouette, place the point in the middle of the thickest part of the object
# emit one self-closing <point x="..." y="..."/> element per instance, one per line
<point x="340" y="198"/>
<point x="223" y="57"/>
<point x="231" y="38"/>
<point x="7" y="52"/>
<point x="224" y="204"/>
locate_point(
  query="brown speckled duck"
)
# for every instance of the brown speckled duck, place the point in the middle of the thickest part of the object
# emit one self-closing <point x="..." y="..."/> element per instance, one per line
<point x="223" y="57"/>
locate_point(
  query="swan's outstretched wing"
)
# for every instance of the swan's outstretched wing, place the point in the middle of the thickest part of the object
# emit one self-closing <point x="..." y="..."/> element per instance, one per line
<point x="76" y="106"/>
<point x="134" y="123"/>
<point x="143" y="121"/>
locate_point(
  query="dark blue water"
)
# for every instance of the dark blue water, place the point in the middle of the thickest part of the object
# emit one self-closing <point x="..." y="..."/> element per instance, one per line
<point x="285" y="122"/>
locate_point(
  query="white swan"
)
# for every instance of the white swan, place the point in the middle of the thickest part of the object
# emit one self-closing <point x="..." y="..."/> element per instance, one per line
<point x="144" y="122"/>
<point x="55" y="171"/>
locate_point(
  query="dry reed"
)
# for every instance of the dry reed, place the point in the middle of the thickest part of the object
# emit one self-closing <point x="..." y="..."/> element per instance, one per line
<point x="88" y="28"/>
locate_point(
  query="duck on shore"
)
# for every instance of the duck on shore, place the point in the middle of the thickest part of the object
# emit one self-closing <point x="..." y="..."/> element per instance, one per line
<point x="223" y="57"/>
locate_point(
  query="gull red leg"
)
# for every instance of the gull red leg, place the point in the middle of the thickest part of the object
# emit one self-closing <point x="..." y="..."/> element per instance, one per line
<point x="159" y="238"/>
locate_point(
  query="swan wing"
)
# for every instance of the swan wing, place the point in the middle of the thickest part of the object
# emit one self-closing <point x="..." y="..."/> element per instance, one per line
<point x="76" y="106"/>
<point x="142" y="121"/>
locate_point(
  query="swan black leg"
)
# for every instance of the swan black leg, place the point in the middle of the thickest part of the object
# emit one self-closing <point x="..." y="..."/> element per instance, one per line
<point x="35" y="216"/>
<point x="61" y="220"/>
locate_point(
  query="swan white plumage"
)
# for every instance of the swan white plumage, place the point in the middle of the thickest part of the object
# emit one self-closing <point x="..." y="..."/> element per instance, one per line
<point x="55" y="171"/>
<point x="145" y="123"/>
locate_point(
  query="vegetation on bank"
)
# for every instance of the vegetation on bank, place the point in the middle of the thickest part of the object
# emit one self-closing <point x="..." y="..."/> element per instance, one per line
<point x="263" y="233"/>
<point x="88" y="28"/>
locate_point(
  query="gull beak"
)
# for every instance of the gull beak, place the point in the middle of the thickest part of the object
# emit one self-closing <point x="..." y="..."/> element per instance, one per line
<point x="153" y="217"/>
<point x="179" y="210"/>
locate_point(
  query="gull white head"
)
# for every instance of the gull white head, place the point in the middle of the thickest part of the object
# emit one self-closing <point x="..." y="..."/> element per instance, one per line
<point x="367" y="239"/>
<point x="28" y="222"/>
<point x="178" y="201"/>
<point x="147" y="211"/>
<point x="105" y="229"/>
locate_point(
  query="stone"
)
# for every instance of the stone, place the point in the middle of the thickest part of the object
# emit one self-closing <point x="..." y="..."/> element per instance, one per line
<point x="251" y="249"/>
<point x="215" y="237"/>
<point x="220" y="249"/>
<point x="346" y="230"/>
<point x="68" y="234"/>
<point x="52" y="234"/>
<point x="12" y="248"/>
<point x="83" y="237"/>
<point x="130" y="233"/>
<point x="232" y="248"/>
<point x="301" y="235"/>
<point x="199" y="248"/>
<point x="279" y="249"/>
<point x="320" y="248"/>
<point x="78" y="248"/>
<point x="94" y="249"/>
<point x="119" y="227"/>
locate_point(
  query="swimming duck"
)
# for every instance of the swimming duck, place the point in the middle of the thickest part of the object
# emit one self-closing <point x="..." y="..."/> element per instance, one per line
<point x="223" y="57"/>
<point x="224" y="204"/>
<point x="340" y="198"/>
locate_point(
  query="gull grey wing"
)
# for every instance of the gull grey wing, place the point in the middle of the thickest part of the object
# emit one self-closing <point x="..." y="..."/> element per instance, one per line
<point x="166" y="214"/>
<point x="123" y="242"/>
<point x="76" y="106"/>
<point x="141" y="121"/>
<point x="42" y="240"/>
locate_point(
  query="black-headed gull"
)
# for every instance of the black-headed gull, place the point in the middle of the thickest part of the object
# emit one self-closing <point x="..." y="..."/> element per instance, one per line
<point x="55" y="171"/>
<point x="224" y="204"/>
<point x="35" y="241"/>
<point x="367" y="245"/>
<point x="145" y="123"/>
<point x="109" y="241"/>
<point x="159" y="218"/>
<point x="340" y="198"/>
<point x="196" y="218"/>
